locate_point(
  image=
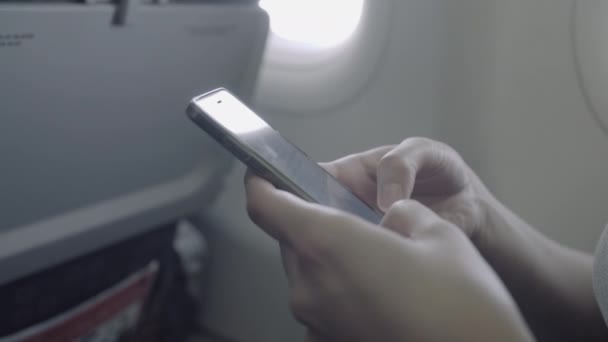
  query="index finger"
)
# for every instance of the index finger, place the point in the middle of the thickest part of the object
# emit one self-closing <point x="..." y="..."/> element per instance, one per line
<point x="307" y="227"/>
<point x="358" y="172"/>
<point x="279" y="213"/>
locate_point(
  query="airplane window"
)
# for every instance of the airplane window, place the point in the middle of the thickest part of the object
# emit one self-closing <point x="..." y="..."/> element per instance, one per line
<point x="314" y="23"/>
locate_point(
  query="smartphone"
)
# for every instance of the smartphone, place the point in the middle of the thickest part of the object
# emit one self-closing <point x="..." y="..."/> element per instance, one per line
<point x="249" y="138"/>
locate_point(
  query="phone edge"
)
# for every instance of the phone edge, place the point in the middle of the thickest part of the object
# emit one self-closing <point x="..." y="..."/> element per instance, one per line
<point x="242" y="152"/>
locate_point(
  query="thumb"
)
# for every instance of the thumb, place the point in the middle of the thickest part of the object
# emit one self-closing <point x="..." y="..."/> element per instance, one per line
<point x="409" y="219"/>
<point x="434" y="166"/>
<point x="396" y="174"/>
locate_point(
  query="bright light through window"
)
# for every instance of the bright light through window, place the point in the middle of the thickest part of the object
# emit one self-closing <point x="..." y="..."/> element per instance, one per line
<point x="318" y="23"/>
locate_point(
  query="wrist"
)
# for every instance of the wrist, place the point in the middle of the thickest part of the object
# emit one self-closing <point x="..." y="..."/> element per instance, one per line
<point x="503" y="236"/>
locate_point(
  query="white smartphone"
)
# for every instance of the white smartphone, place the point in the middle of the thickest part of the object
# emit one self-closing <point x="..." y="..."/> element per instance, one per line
<point x="268" y="154"/>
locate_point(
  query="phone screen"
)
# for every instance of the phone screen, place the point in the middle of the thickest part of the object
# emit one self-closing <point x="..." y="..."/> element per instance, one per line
<point x="285" y="158"/>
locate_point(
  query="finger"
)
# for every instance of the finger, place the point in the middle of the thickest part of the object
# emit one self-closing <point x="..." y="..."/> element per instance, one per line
<point x="299" y="271"/>
<point x="365" y="161"/>
<point x="301" y="290"/>
<point x="409" y="218"/>
<point x="264" y="201"/>
<point x="294" y="221"/>
<point x="412" y="166"/>
<point x="291" y="264"/>
<point x="358" y="172"/>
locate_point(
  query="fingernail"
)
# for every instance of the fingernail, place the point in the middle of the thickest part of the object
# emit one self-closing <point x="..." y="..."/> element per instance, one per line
<point x="389" y="194"/>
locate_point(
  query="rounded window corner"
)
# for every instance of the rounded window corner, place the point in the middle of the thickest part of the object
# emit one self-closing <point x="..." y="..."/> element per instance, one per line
<point x="313" y="25"/>
<point x="307" y="74"/>
<point x="591" y="56"/>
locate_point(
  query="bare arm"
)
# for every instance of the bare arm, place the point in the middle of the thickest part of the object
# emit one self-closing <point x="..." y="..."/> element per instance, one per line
<point x="550" y="282"/>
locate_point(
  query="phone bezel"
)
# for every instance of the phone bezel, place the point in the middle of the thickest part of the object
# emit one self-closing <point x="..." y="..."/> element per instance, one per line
<point x="241" y="150"/>
<point x="257" y="163"/>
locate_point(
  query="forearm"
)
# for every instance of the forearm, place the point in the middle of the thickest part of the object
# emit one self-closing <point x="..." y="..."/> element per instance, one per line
<point x="551" y="283"/>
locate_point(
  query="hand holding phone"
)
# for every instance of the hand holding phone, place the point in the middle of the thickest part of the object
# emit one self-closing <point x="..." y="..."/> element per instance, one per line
<point x="249" y="138"/>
